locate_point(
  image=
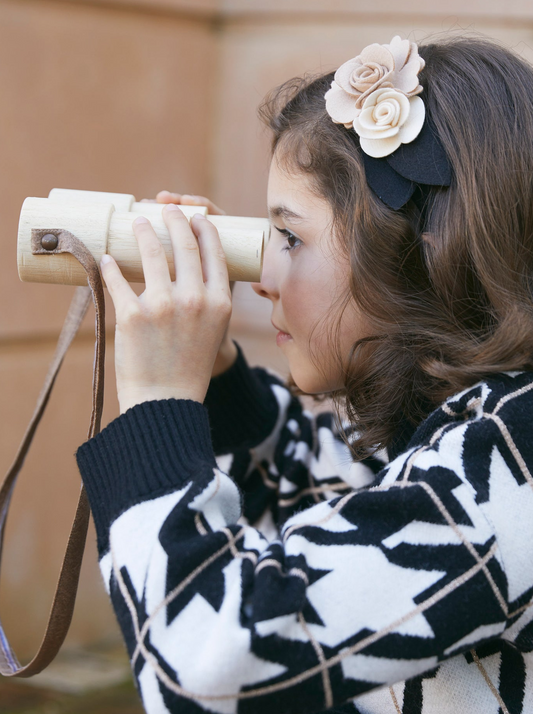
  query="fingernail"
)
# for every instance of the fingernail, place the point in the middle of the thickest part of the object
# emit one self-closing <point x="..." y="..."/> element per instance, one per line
<point x="105" y="259"/>
<point x="199" y="215"/>
<point x="172" y="207"/>
<point x="141" y="219"/>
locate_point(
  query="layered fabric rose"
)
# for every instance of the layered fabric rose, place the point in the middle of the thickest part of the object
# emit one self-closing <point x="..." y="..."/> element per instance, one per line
<point x="358" y="98"/>
<point x="388" y="118"/>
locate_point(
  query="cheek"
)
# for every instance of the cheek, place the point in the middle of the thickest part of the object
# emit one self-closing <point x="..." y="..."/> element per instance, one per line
<point x="311" y="298"/>
<point x="305" y="301"/>
<point x="354" y="326"/>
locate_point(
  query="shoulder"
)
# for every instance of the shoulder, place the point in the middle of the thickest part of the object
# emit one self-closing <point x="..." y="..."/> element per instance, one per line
<point x="504" y="400"/>
<point x="506" y="392"/>
<point x="471" y="432"/>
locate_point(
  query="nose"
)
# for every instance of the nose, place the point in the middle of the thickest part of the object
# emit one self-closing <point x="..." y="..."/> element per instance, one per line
<point x="260" y="289"/>
<point x="268" y="286"/>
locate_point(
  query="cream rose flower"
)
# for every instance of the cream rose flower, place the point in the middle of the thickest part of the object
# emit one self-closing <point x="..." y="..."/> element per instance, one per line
<point x="377" y="67"/>
<point x="388" y="119"/>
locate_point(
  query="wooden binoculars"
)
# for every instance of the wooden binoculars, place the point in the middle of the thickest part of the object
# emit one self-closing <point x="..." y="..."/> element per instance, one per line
<point x="103" y="222"/>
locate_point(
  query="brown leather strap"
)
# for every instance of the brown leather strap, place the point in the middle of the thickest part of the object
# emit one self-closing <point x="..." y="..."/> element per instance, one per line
<point x="65" y="595"/>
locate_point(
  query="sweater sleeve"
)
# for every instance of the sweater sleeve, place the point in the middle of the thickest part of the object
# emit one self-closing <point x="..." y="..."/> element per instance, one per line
<point x="256" y="423"/>
<point x="243" y="409"/>
<point x="368" y="588"/>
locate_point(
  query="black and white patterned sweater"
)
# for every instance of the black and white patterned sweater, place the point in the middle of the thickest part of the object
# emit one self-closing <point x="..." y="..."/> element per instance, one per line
<point x="282" y="577"/>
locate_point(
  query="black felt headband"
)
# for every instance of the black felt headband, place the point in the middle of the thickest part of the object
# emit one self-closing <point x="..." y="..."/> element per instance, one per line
<point x="422" y="162"/>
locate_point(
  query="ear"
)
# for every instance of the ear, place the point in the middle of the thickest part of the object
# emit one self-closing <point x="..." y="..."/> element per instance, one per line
<point x="429" y="238"/>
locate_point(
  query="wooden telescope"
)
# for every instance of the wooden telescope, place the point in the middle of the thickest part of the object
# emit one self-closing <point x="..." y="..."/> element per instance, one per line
<point x="103" y="222"/>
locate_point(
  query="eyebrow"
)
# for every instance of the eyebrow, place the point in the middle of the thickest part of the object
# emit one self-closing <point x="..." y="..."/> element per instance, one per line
<point x="284" y="212"/>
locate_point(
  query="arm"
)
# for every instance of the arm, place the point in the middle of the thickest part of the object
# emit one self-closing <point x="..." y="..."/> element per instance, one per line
<point x="243" y="409"/>
<point x="369" y="588"/>
<point x="166" y="345"/>
<point x="255" y="422"/>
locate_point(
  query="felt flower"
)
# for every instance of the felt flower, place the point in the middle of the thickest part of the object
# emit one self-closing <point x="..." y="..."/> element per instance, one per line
<point x="388" y="118"/>
<point x="395" y="65"/>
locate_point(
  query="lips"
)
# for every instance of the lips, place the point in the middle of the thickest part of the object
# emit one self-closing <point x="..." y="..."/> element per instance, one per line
<point x="282" y="337"/>
<point x="279" y="329"/>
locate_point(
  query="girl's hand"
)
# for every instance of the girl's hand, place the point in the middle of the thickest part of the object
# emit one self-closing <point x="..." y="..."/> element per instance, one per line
<point x="167" y="339"/>
<point x="228" y="352"/>
<point x="186" y="200"/>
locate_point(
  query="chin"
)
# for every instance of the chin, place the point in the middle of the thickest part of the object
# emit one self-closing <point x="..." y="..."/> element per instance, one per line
<point x="311" y="383"/>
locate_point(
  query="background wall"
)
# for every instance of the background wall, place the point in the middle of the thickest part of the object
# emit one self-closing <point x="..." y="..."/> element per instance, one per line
<point x="136" y="96"/>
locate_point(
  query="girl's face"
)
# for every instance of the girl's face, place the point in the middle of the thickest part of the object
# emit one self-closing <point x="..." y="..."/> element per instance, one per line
<point x="306" y="276"/>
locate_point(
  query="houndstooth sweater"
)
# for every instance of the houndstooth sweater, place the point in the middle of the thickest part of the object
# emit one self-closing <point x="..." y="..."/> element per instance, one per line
<point x="254" y="568"/>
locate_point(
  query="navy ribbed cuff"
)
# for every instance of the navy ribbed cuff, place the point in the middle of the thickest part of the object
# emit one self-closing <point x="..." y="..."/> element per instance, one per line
<point x="152" y="449"/>
<point x="242" y="407"/>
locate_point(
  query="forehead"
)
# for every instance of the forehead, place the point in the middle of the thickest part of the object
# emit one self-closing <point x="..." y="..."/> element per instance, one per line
<point x="290" y="196"/>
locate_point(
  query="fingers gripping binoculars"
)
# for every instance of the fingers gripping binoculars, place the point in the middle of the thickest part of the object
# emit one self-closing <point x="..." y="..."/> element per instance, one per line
<point x="103" y="222"/>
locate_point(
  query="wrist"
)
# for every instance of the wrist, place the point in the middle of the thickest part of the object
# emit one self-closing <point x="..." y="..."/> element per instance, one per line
<point x="128" y="399"/>
<point x="225" y="359"/>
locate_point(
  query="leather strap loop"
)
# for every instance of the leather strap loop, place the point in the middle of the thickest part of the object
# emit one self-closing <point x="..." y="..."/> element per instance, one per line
<point x="63" y="603"/>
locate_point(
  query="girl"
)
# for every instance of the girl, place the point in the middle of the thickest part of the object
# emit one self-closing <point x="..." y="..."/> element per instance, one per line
<point x="260" y="559"/>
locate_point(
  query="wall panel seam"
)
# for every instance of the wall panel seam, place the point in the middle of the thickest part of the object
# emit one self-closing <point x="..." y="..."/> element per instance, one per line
<point x="205" y="15"/>
<point x="453" y="21"/>
<point x="222" y="14"/>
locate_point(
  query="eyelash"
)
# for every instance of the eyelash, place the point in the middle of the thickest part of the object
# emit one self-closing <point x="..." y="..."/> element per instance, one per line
<point x="288" y="235"/>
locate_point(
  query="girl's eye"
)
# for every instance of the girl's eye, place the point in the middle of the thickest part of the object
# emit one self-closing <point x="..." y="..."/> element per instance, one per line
<point x="292" y="241"/>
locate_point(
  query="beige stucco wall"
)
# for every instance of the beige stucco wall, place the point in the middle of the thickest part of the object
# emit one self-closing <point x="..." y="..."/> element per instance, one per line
<point x="135" y="96"/>
<point x="93" y="97"/>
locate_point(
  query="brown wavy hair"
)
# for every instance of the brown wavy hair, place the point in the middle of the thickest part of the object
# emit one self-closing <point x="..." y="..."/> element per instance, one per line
<point x="448" y="293"/>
